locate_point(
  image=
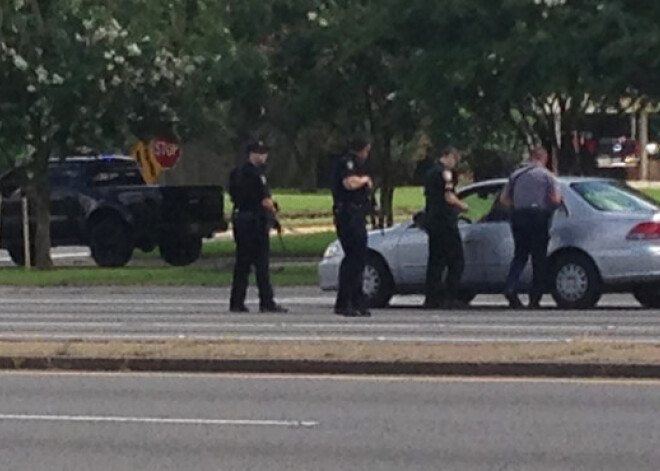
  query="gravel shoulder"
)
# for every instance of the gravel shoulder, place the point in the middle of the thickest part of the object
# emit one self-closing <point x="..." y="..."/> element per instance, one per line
<point x="569" y="352"/>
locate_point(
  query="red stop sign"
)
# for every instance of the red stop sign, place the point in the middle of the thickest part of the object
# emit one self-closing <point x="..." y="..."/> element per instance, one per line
<point x="167" y="153"/>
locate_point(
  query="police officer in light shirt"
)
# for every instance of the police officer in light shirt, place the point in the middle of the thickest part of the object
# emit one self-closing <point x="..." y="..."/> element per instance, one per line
<point x="533" y="193"/>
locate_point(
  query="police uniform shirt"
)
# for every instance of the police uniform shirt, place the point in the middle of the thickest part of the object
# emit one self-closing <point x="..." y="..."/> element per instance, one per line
<point x="531" y="187"/>
<point x="348" y="166"/>
<point x="251" y="188"/>
<point x="438" y="181"/>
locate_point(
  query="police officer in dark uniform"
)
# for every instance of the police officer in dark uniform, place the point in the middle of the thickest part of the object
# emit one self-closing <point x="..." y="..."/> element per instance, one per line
<point x="351" y="191"/>
<point x="533" y="193"/>
<point x="253" y="209"/>
<point x="441" y="223"/>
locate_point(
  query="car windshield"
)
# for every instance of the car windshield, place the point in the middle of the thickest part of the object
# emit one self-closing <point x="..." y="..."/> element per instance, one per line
<point x="614" y="196"/>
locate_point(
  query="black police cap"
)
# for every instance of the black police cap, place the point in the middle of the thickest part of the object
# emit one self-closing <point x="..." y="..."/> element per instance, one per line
<point x="257" y="147"/>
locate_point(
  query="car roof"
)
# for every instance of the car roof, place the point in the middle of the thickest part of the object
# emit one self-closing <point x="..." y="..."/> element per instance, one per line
<point x="569" y="180"/>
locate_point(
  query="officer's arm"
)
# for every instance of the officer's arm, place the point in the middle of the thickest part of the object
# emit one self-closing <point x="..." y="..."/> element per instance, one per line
<point x="355" y="182"/>
<point x="453" y="200"/>
<point x="450" y="196"/>
<point x="555" y="194"/>
<point x="505" y="199"/>
<point x="268" y="204"/>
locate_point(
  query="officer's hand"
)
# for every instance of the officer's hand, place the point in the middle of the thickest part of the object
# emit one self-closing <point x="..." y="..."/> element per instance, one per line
<point x="268" y="205"/>
<point x="369" y="182"/>
<point x="464" y="207"/>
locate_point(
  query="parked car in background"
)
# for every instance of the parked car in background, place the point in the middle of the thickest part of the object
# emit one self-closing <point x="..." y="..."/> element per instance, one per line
<point x="604" y="238"/>
<point x="102" y="202"/>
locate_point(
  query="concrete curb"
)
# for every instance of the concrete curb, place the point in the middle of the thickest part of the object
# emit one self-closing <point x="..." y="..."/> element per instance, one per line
<point x="293" y="367"/>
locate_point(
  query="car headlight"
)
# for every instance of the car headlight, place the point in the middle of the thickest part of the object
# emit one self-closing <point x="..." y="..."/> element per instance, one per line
<point x="333" y="250"/>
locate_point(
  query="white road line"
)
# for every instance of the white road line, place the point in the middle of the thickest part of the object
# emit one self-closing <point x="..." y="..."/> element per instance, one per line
<point x="158" y="420"/>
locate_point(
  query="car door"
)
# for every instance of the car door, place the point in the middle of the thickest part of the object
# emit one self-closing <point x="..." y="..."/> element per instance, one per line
<point x="64" y="178"/>
<point x="412" y="248"/>
<point x="486" y="234"/>
<point x="412" y="254"/>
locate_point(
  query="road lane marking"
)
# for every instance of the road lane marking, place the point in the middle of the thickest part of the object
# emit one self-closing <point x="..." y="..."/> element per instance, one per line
<point x="188" y="376"/>
<point x="158" y="420"/>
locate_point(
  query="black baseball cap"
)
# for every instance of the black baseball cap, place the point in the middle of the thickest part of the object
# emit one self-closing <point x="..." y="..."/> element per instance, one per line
<point x="257" y="147"/>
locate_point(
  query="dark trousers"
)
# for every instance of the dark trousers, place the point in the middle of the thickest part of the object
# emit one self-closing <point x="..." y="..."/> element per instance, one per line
<point x="252" y="249"/>
<point x="531" y="234"/>
<point x="352" y="233"/>
<point x="445" y="253"/>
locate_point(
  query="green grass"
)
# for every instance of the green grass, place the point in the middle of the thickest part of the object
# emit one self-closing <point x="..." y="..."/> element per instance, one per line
<point x="290" y="275"/>
<point x="297" y="205"/>
<point x="304" y="245"/>
<point x="653" y="193"/>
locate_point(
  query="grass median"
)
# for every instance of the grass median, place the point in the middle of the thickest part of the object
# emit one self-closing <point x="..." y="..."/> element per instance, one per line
<point x="289" y="275"/>
<point x="291" y="245"/>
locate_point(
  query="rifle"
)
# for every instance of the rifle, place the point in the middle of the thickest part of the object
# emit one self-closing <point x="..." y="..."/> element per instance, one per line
<point x="274" y="222"/>
<point x="374" y="210"/>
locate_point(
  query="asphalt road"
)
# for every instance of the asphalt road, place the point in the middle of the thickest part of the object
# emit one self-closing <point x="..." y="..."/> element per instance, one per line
<point x="201" y="313"/>
<point x="160" y="422"/>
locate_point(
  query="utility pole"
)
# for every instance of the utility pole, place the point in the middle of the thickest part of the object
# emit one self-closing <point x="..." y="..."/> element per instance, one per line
<point x="643" y="143"/>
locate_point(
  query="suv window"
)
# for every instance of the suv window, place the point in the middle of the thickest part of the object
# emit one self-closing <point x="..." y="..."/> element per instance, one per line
<point x="63" y="174"/>
<point x="116" y="174"/>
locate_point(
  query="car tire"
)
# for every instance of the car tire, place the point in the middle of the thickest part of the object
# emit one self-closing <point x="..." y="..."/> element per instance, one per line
<point x="17" y="255"/>
<point x="466" y="296"/>
<point x="377" y="285"/>
<point x="110" y="242"/>
<point x="575" y="282"/>
<point x="648" y="296"/>
<point x="180" y="250"/>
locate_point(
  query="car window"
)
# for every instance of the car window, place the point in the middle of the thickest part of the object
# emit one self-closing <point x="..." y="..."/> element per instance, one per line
<point x="614" y="196"/>
<point x="116" y="174"/>
<point x="481" y="202"/>
<point x="61" y="174"/>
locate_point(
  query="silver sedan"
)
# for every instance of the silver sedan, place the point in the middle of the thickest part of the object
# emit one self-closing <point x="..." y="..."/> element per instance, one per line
<point x="604" y="238"/>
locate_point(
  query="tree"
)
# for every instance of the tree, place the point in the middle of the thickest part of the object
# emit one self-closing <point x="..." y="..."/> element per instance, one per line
<point x="76" y="72"/>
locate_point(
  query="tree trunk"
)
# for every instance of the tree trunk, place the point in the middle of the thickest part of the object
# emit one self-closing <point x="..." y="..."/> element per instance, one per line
<point x="39" y="194"/>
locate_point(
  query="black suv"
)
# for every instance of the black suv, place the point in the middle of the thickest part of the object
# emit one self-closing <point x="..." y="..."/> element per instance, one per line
<point x="103" y="202"/>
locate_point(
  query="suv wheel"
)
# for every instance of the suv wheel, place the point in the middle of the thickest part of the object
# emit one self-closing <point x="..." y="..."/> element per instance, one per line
<point x="180" y="250"/>
<point x="110" y="243"/>
<point x="17" y="254"/>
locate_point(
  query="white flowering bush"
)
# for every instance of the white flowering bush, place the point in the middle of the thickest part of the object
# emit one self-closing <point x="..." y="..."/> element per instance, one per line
<point x="83" y="72"/>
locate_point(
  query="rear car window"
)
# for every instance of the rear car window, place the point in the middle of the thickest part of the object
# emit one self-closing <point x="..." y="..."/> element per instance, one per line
<point x="614" y="196"/>
<point x="116" y="174"/>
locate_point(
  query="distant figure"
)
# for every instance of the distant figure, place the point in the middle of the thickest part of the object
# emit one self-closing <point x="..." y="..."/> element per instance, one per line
<point x="351" y="189"/>
<point x="534" y="193"/>
<point x="253" y="208"/>
<point x="441" y="224"/>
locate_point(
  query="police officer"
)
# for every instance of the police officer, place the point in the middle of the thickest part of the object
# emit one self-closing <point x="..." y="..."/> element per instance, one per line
<point x="351" y="189"/>
<point x="253" y="208"/>
<point x="441" y="224"/>
<point x="534" y="193"/>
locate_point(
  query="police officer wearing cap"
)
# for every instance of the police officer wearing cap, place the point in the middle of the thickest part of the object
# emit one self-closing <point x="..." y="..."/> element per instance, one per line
<point x="534" y="194"/>
<point x="253" y="208"/>
<point x="351" y="191"/>
<point x="441" y="224"/>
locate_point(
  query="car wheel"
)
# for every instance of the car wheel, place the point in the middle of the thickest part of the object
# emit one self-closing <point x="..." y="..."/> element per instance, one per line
<point x="575" y="282"/>
<point x="466" y="296"/>
<point x="648" y="296"/>
<point x="377" y="283"/>
<point x="110" y="243"/>
<point x="17" y="255"/>
<point x="180" y="250"/>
